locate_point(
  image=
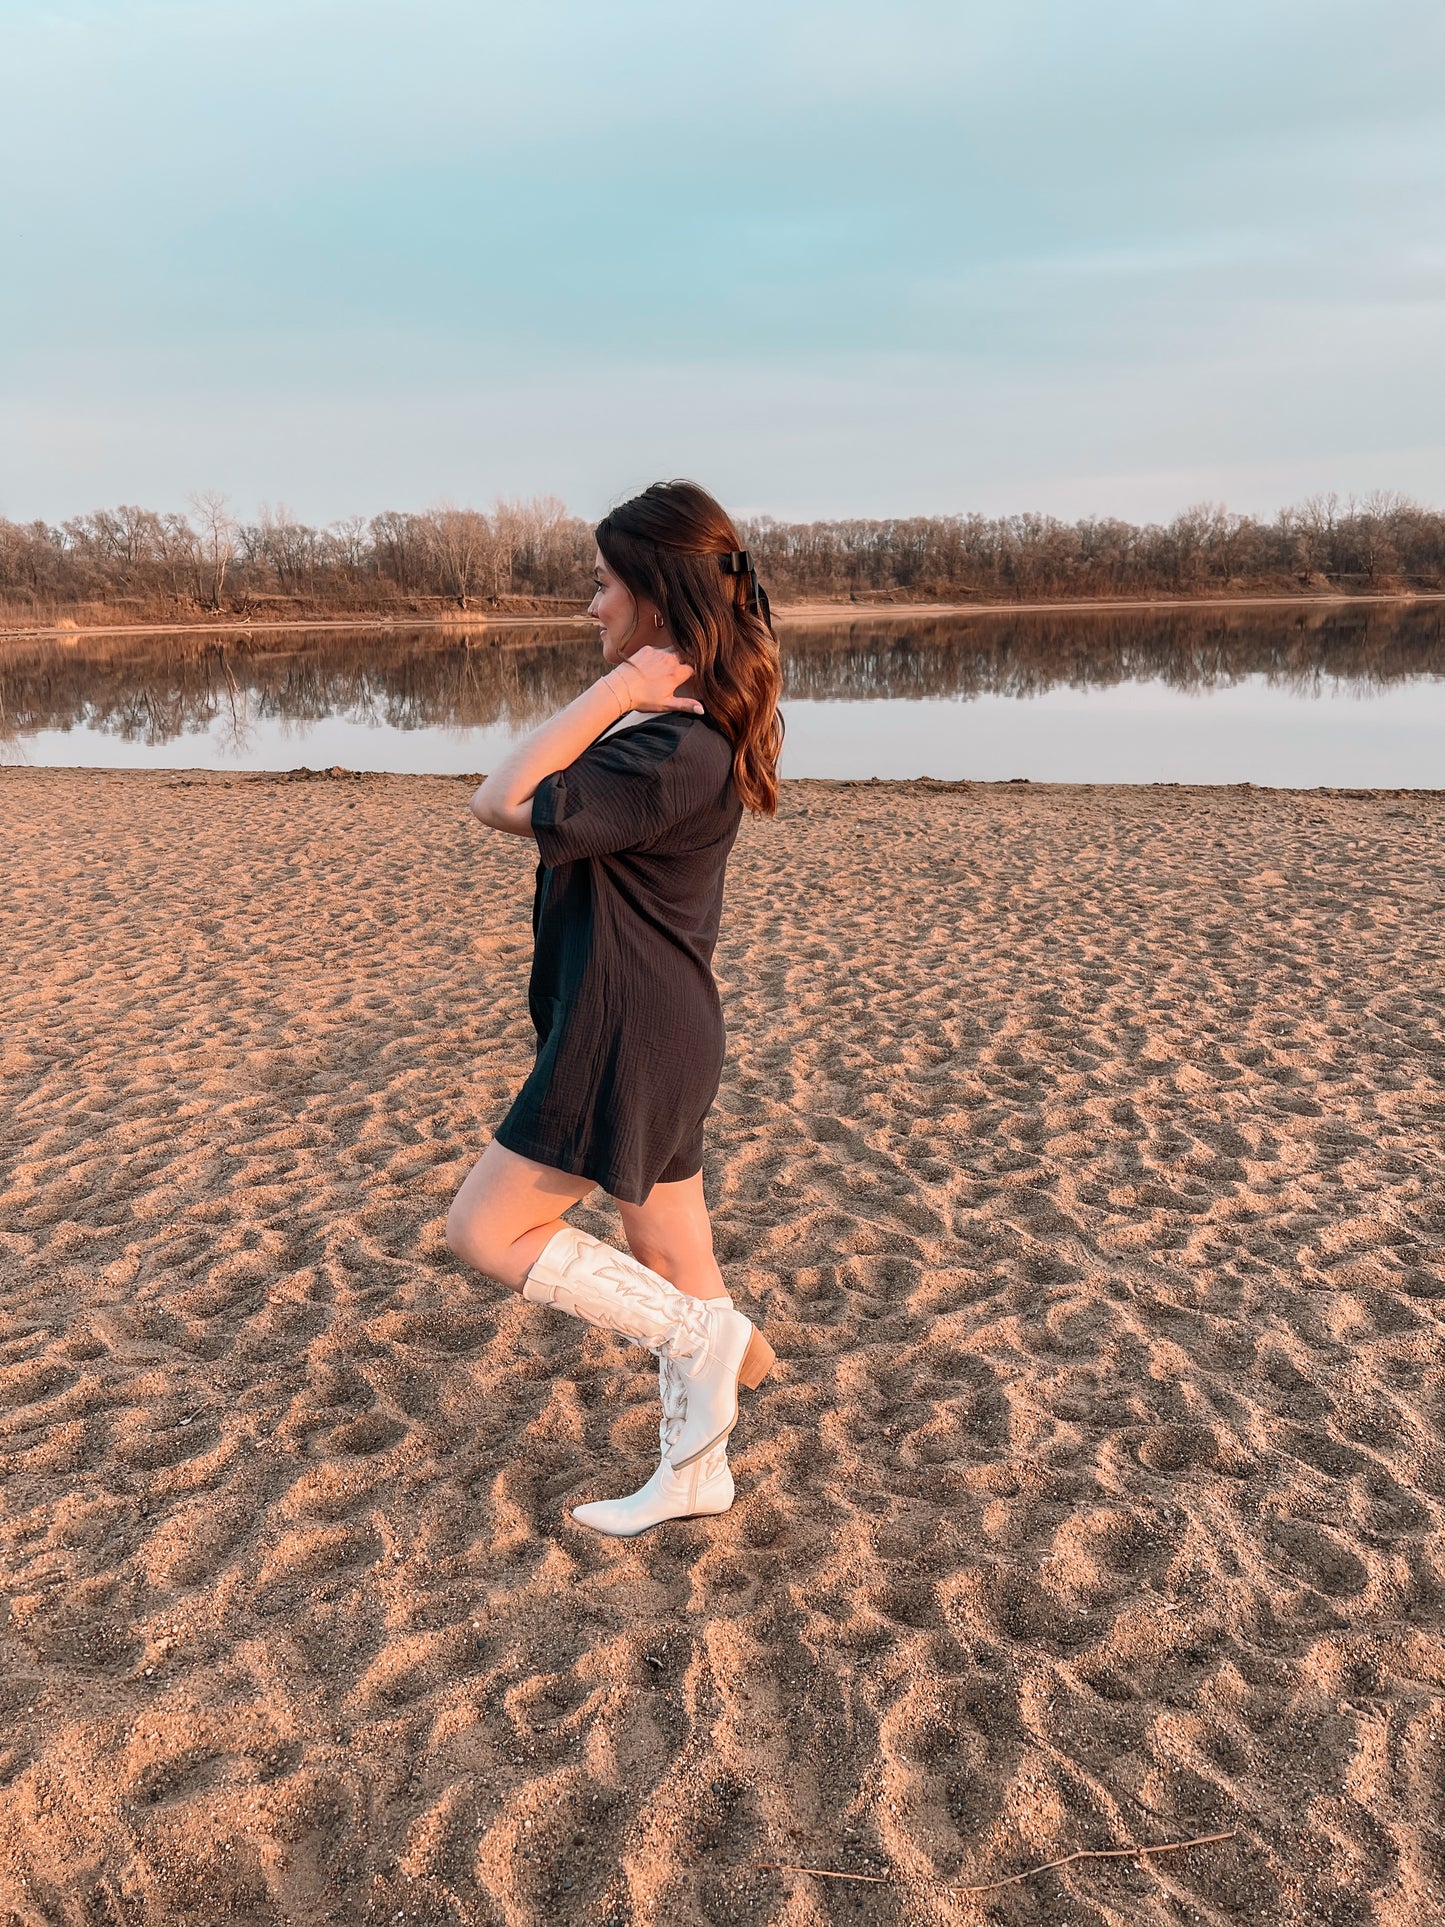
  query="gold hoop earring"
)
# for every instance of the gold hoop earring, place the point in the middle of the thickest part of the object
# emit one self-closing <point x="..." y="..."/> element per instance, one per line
<point x="656" y="619"/>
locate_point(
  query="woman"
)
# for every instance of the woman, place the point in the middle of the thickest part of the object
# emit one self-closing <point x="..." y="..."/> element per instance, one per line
<point x="634" y="794"/>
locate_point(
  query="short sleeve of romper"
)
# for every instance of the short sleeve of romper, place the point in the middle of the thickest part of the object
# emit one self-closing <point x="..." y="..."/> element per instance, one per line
<point x="633" y="839"/>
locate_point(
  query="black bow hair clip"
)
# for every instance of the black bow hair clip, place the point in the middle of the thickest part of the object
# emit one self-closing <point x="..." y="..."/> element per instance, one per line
<point x="739" y="562"/>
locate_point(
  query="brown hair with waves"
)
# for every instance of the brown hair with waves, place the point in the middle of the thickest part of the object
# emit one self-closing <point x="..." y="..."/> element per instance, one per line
<point x="670" y="546"/>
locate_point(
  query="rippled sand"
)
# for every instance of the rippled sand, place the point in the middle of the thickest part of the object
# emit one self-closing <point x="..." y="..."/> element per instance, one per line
<point x="1082" y="1153"/>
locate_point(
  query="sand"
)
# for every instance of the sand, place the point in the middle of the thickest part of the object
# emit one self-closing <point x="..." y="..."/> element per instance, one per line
<point x="1080" y="1151"/>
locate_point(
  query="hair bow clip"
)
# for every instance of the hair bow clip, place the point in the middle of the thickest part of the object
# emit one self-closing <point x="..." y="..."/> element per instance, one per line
<point x="739" y="562"/>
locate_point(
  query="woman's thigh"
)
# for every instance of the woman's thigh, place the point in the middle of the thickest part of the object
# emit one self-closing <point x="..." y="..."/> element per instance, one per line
<point x="506" y="1211"/>
<point x="671" y="1233"/>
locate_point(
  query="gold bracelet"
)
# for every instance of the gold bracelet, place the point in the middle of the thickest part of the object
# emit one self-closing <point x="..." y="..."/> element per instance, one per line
<point x="622" y="706"/>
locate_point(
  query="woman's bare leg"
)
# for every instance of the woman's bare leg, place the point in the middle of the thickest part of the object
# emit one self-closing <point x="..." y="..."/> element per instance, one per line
<point x="507" y="1211"/>
<point x="672" y="1234"/>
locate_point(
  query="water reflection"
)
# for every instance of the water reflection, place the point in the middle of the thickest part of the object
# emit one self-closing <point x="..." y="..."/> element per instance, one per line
<point x="255" y="699"/>
<point x="151" y="689"/>
<point x="1303" y="649"/>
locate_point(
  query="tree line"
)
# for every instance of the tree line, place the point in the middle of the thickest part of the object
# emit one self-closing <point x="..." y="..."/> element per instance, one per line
<point x="1381" y="544"/>
<point x="134" y="564"/>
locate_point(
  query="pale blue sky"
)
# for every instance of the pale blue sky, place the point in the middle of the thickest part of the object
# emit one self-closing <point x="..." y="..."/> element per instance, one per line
<point x="829" y="258"/>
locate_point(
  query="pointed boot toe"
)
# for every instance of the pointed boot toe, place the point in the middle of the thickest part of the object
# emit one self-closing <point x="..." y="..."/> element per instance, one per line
<point x="705" y="1487"/>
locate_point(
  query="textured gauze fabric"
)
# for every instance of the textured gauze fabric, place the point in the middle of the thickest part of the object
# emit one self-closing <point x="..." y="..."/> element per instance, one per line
<point x="633" y="839"/>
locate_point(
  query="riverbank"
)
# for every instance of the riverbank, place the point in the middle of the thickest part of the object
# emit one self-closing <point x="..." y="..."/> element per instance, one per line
<point x="1083" y="1164"/>
<point x="783" y="613"/>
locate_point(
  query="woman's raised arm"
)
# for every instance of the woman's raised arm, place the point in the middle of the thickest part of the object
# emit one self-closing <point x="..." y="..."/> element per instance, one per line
<point x="648" y="680"/>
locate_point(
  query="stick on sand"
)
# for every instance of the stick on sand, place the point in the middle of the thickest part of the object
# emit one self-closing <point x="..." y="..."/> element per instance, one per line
<point x="1013" y="1879"/>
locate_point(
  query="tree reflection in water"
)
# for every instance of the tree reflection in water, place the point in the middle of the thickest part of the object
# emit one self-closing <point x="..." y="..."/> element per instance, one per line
<point x="153" y="688"/>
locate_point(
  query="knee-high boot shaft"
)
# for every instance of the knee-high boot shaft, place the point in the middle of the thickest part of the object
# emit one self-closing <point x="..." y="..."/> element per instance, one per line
<point x="603" y="1286"/>
<point x="713" y="1347"/>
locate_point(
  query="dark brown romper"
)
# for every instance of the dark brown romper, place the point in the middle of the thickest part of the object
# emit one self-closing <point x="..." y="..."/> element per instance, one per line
<point x="634" y="840"/>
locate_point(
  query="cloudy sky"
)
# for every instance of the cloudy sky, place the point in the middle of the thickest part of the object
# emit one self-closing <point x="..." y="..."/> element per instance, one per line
<point x="1087" y="256"/>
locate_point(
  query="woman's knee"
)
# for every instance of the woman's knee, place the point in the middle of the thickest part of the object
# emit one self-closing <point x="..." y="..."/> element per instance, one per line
<point x="668" y="1240"/>
<point x="466" y="1235"/>
<point x="677" y="1253"/>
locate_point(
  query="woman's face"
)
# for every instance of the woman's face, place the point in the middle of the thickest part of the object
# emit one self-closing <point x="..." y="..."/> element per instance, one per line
<point x="617" y="615"/>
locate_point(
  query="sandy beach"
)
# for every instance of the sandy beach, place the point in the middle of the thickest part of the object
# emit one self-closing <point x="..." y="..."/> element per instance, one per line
<point x="1080" y="1152"/>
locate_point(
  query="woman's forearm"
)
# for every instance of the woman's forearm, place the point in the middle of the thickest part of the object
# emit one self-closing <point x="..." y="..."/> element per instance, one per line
<point x="504" y="800"/>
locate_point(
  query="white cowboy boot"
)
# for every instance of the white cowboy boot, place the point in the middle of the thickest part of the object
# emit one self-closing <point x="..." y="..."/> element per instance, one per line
<point x="715" y="1347"/>
<point x="705" y="1486"/>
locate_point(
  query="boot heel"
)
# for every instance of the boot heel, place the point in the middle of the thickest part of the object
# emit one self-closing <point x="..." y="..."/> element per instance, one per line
<point x="758" y="1361"/>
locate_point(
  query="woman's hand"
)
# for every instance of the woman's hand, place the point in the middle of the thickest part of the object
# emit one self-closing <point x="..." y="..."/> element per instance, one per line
<point x="649" y="680"/>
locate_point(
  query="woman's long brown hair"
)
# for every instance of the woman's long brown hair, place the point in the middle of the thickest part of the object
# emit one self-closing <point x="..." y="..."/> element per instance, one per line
<point x="670" y="545"/>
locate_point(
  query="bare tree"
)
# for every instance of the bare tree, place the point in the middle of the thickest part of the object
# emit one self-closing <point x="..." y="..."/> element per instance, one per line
<point x="399" y="547"/>
<point x="508" y="534"/>
<point x="285" y="545"/>
<point x="346" y="545"/>
<point x="216" y="532"/>
<point x="1379" y="521"/>
<point x="460" y="540"/>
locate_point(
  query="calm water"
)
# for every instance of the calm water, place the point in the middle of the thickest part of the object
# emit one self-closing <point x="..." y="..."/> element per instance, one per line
<point x="1349" y="697"/>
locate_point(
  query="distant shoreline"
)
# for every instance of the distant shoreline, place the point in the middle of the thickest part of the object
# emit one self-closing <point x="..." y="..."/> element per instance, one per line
<point x="831" y="611"/>
<point x="797" y="613"/>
